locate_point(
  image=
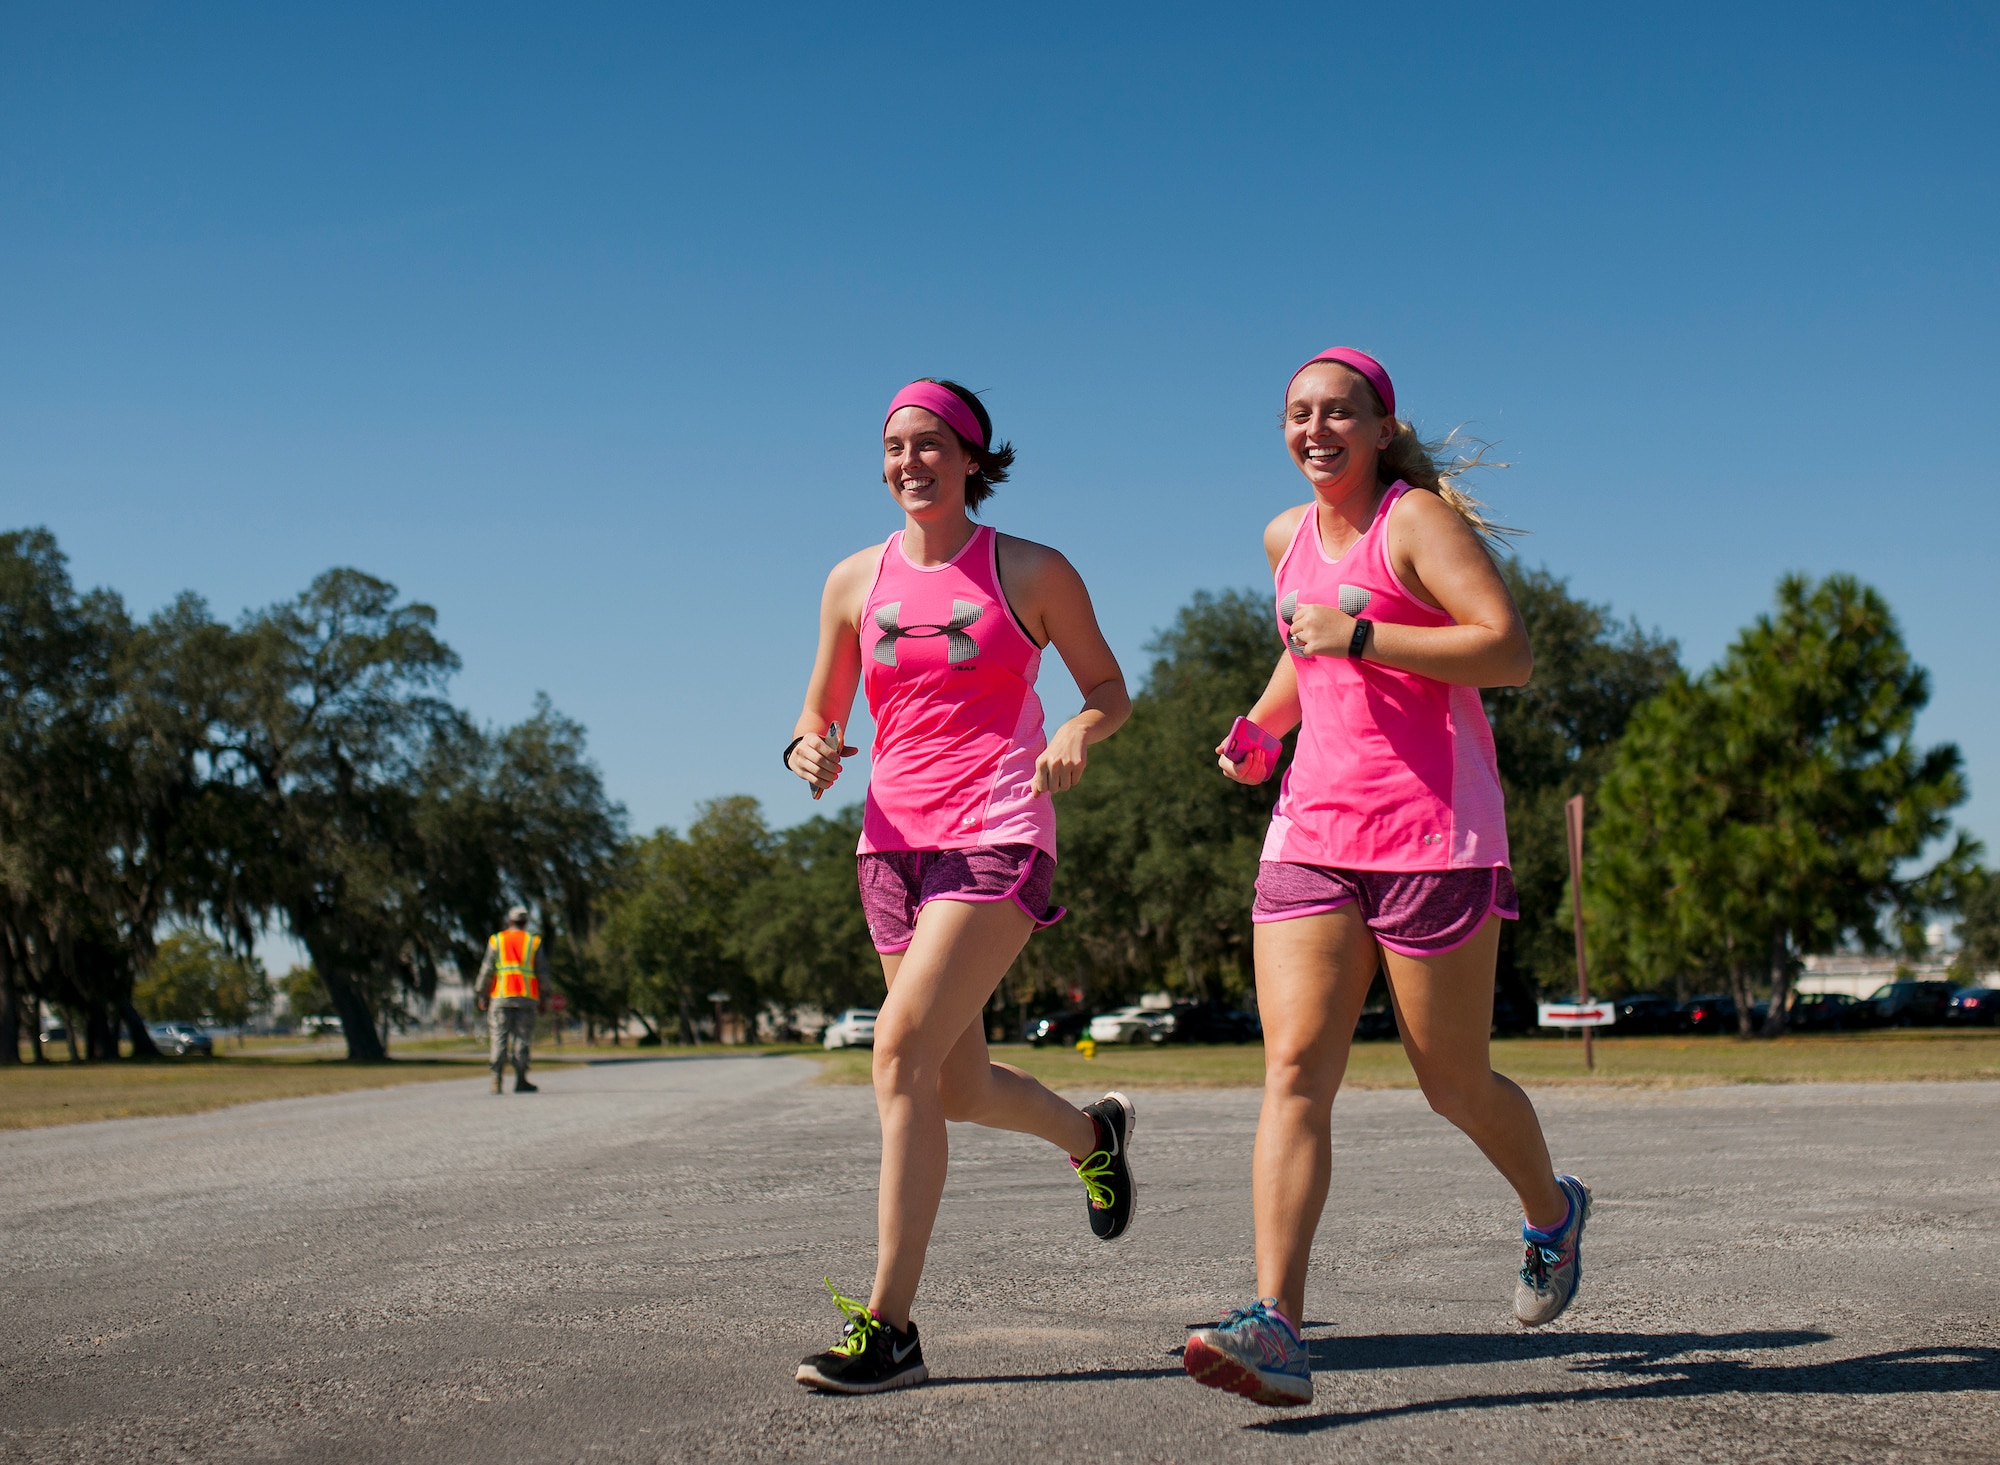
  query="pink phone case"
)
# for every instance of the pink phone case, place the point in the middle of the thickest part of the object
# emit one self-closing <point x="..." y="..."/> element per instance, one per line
<point x="1244" y="735"/>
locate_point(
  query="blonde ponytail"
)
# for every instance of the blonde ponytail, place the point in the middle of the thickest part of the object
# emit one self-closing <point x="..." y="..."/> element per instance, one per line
<point x="1436" y="466"/>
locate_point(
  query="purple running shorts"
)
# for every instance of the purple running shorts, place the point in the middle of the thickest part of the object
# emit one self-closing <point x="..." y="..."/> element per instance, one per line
<point x="1412" y="912"/>
<point x="896" y="884"/>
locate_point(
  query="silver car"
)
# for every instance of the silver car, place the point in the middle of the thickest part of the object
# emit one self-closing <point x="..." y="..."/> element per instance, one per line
<point x="181" y="1039"/>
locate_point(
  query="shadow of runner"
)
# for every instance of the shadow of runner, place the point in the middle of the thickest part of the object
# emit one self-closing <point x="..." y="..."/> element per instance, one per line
<point x="1432" y="1350"/>
<point x="1078" y="1376"/>
<point x="1658" y="1370"/>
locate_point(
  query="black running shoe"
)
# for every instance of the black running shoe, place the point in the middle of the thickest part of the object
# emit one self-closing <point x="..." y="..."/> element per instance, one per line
<point x="1106" y="1172"/>
<point x="522" y="1086"/>
<point x="870" y="1357"/>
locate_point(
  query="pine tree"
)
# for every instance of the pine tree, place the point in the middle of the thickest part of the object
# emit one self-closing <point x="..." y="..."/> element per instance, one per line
<point x="1766" y="809"/>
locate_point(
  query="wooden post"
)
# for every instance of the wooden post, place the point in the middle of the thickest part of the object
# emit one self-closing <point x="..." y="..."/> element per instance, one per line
<point x="1573" y="817"/>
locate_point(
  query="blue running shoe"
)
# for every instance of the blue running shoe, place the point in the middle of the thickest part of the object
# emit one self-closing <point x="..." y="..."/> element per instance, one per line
<point x="1554" y="1263"/>
<point x="1254" y="1352"/>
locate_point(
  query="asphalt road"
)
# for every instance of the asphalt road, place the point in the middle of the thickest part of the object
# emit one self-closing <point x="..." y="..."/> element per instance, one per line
<point x="627" y="1267"/>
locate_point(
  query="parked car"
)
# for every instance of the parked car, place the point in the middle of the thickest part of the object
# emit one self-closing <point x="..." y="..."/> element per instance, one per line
<point x="1825" y="1012"/>
<point x="1059" y="1028"/>
<point x="1909" y="1004"/>
<point x="854" y="1028"/>
<point x="181" y="1039"/>
<point x="1709" y="1013"/>
<point x="1205" y="1022"/>
<point x="320" y="1025"/>
<point x="1126" y="1025"/>
<point x="1376" y="1024"/>
<point x="1646" y="1012"/>
<point x="1975" y="1006"/>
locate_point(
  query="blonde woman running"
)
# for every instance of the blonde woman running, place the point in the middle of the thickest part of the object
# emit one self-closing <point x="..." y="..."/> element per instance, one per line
<point x="1388" y="846"/>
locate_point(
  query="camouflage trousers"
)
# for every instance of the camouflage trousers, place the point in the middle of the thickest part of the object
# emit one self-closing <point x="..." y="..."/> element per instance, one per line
<point x="512" y="1023"/>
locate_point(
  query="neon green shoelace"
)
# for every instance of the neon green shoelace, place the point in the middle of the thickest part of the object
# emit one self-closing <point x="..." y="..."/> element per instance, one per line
<point x="1094" y="1172"/>
<point x="862" y="1325"/>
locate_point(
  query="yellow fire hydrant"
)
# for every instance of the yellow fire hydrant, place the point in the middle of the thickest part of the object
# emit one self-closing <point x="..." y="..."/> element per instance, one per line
<point x="1087" y="1047"/>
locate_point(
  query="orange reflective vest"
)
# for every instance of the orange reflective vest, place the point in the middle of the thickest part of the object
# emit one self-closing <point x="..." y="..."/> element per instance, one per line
<point x="514" y="964"/>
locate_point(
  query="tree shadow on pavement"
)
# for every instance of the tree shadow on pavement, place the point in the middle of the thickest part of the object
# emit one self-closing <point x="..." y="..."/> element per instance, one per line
<point x="1641" y="1366"/>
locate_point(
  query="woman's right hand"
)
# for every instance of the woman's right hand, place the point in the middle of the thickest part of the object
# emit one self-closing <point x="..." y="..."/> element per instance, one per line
<point x="817" y="760"/>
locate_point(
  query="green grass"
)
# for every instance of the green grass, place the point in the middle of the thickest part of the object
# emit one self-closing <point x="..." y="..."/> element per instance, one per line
<point x="33" y="1095"/>
<point x="1680" y="1062"/>
<point x="476" y="1045"/>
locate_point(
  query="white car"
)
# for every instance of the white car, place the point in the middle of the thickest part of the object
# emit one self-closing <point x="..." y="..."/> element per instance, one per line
<point x="1126" y="1025"/>
<point x="854" y="1028"/>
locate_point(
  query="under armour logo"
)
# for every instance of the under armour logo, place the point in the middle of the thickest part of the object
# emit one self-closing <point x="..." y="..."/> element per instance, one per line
<point x="958" y="646"/>
<point x="1353" y="601"/>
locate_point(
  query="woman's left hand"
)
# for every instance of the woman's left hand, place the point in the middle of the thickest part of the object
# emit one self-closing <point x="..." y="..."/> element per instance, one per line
<point x="1254" y="769"/>
<point x="1060" y="767"/>
<point x="1320" y="630"/>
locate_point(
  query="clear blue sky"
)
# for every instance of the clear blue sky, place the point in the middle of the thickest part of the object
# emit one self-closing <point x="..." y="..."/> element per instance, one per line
<point x="577" y="322"/>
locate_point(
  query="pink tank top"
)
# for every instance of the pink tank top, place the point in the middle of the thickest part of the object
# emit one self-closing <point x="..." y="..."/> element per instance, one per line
<point x="950" y="677"/>
<point x="1394" y="771"/>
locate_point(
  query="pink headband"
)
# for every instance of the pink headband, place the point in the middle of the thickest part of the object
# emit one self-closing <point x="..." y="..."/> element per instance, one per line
<point x="945" y="403"/>
<point x="1367" y="365"/>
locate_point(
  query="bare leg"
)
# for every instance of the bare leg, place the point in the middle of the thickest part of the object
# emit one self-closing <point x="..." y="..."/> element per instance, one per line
<point x="929" y="1050"/>
<point x="1444" y="1010"/>
<point x="1313" y="974"/>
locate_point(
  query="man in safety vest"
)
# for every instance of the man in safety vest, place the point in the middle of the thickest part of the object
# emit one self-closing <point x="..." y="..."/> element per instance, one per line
<point x="510" y="985"/>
